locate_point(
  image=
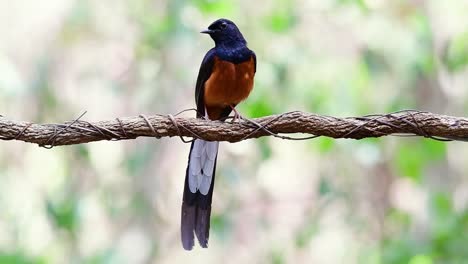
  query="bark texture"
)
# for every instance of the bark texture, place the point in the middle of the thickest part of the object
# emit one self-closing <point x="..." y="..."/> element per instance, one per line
<point x="413" y="122"/>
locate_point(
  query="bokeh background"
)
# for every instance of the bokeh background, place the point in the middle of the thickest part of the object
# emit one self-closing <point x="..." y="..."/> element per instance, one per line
<point x="389" y="200"/>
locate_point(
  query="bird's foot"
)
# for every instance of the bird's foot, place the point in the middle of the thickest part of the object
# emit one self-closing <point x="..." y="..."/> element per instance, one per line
<point x="237" y="116"/>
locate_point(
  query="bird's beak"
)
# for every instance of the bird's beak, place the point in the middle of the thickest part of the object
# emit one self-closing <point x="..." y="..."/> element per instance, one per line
<point x="206" y="31"/>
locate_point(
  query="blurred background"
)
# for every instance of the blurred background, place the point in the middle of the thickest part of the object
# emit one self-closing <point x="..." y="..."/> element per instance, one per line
<point x="388" y="200"/>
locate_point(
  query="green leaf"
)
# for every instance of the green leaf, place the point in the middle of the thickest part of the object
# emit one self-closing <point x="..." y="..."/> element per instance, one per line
<point x="82" y="151"/>
<point x="64" y="213"/>
<point x="397" y="251"/>
<point x="359" y="3"/>
<point x="324" y="144"/>
<point x="444" y="220"/>
<point x="221" y="225"/>
<point x="409" y="162"/>
<point x="220" y="8"/>
<point x="456" y="54"/>
<point x="375" y="61"/>
<point x="324" y="187"/>
<point x="434" y="150"/>
<point x="18" y="258"/>
<point x="305" y="234"/>
<point x="414" y="157"/>
<point x="420" y="259"/>
<point x="318" y="96"/>
<point x="281" y="20"/>
<point x="265" y="148"/>
<point x="257" y="106"/>
<point x="442" y="204"/>
<point x="277" y="256"/>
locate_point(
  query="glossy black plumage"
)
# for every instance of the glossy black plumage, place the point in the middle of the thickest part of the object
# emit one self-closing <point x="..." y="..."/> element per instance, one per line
<point x="230" y="51"/>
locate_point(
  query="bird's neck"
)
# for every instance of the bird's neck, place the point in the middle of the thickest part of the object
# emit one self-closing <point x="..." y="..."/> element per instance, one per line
<point x="231" y="43"/>
<point x="230" y="47"/>
<point x="234" y="53"/>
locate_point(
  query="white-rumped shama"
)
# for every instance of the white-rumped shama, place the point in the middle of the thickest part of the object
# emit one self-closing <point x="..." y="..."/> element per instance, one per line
<point x="225" y="79"/>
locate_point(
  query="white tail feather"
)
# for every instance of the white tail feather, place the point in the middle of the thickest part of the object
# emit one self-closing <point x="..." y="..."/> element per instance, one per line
<point x="201" y="165"/>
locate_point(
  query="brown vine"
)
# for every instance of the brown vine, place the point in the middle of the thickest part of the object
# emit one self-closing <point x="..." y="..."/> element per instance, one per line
<point x="405" y="122"/>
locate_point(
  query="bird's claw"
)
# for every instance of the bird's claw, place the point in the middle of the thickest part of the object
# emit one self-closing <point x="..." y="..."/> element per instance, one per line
<point x="237" y="116"/>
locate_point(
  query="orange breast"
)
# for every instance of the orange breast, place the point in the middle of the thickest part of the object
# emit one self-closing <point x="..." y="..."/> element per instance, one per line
<point x="228" y="84"/>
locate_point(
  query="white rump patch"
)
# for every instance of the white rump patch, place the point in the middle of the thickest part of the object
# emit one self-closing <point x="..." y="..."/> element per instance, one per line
<point x="201" y="165"/>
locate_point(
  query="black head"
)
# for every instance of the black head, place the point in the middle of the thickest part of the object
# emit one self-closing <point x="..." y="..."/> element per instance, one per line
<point x="225" y="32"/>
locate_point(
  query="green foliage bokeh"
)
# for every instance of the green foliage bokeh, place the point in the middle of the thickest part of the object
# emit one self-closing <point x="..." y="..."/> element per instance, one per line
<point x="389" y="200"/>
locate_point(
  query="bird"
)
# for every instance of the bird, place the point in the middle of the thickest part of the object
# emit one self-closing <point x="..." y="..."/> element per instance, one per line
<point x="225" y="78"/>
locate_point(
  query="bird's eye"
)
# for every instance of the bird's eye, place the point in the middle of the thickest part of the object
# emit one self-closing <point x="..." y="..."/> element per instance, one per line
<point x="223" y="26"/>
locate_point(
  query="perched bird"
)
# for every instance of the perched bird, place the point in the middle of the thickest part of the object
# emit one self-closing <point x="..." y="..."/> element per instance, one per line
<point x="225" y="79"/>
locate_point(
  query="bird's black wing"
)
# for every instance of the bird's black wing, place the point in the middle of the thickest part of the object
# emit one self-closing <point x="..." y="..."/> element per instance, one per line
<point x="255" y="60"/>
<point x="204" y="74"/>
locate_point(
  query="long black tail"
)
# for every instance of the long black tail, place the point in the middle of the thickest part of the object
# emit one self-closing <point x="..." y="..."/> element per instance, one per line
<point x="196" y="211"/>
